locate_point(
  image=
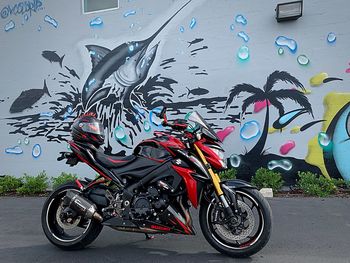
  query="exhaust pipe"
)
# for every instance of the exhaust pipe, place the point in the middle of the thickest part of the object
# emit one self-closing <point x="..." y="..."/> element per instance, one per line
<point x="82" y="206"/>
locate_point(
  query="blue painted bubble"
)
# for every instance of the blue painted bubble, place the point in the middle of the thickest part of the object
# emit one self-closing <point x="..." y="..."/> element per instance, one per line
<point x="291" y="44"/>
<point x="19" y="141"/>
<point x="96" y="22"/>
<point x="324" y="141"/>
<point x="153" y="117"/>
<point x="26" y="17"/>
<point x="46" y="114"/>
<point x="193" y="23"/>
<point x="250" y="130"/>
<point x="243" y="53"/>
<point x="131" y="48"/>
<point x="39" y="28"/>
<point x="232" y="27"/>
<point x="51" y="21"/>
<point x="91" y="82"/>
<point x="26" y="141"/>
<point x="243" y="35"/>
<point x="235" y="160"/>
<point x="14" y="150"/>
<point x="240" y="19"/>
<point x="284" y="164"/>
<point x="93" y="53"/>
<point x="69" y="110"/>
<point x="119" y="133"/>
<point x="303" y="60"/>
<point x="129" y="13"/>
<point x="36" y="151"/>
<point x="331" y="37"/>
<point x="132" y="25"/>
<point x="182" y="29"/>
<point x="147" y="126"/>
<point x="10" y="26"/>
<point x="280" y="51"/>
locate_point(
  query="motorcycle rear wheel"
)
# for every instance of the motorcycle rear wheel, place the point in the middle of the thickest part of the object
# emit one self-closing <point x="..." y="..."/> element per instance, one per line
<point x="253" y="231"/>
<point x="57" y="233"/>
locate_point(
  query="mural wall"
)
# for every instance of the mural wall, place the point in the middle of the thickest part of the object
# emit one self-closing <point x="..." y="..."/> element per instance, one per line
<point x="277" y="94"/>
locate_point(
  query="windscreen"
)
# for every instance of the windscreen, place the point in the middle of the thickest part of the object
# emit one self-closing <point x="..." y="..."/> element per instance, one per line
<point x="198" y="119"/>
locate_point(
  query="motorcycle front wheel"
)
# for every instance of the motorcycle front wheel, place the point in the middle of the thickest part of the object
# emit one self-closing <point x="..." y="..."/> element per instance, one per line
<point x="244" y="235"/>
<point x="73" y="233"/>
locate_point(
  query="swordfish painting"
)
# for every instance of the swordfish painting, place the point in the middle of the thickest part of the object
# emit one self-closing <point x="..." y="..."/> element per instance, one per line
<point x="129" y="63"/>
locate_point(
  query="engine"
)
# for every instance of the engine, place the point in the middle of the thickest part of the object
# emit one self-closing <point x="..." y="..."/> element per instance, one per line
<point x="149" y="203"/>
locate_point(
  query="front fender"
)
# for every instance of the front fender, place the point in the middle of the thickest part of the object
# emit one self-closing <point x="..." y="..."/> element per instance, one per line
<point x="237" y="184"/>
<point x="229" y="188"/>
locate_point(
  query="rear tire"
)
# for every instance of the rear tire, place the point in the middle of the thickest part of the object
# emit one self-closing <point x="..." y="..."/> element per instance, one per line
<point x="233" y="248"/>
<point x="55" y="233"/>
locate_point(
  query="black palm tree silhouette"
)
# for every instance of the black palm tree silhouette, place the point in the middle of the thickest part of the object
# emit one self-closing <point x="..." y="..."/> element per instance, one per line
<point x="272" y="96"/>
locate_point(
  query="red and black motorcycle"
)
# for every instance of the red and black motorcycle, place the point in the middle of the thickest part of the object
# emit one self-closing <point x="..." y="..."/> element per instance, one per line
<point x="152" y="190"/>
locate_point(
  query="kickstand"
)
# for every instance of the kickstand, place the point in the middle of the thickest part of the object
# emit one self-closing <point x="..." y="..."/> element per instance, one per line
<point x="149" y="237"/>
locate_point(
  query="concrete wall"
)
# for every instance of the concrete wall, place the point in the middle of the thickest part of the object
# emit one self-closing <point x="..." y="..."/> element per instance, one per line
<point x="190" y="64"/>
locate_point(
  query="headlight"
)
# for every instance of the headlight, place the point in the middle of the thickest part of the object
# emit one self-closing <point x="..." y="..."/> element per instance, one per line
<point x="218" y="152"/>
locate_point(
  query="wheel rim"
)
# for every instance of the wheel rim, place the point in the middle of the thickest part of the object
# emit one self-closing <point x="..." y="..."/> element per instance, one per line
<point x="252" y="225"/>
<point x="60" y="230"/>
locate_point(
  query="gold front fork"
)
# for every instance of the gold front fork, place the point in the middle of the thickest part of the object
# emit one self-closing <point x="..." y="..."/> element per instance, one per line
<point x="215" y="178"/>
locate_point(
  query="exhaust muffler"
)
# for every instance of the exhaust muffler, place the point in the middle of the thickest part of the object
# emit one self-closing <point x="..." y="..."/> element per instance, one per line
<point x="82" y="206"/>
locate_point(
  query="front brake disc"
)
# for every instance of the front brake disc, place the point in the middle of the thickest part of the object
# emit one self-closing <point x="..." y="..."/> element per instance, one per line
<point x="245" y="232"/>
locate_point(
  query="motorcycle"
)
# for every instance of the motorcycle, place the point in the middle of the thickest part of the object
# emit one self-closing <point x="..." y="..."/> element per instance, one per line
<point x="152" y="190"/>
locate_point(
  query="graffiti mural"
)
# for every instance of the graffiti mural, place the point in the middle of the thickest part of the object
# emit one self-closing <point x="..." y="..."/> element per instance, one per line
<point x="329" y="149"/>
<point x="180" y="62"/>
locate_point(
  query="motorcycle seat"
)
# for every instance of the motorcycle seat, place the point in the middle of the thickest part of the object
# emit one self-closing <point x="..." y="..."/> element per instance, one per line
<point x="113" y="161"/>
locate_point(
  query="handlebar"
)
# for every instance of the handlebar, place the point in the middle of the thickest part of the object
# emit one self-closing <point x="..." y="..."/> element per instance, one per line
<point x="178" y="124"/>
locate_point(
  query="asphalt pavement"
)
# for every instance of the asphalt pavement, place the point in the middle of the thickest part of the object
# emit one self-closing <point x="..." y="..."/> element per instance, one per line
<point x="305" y="230"/>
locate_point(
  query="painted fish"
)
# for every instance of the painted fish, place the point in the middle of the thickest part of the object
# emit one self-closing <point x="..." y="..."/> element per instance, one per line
<point x="28" y="98"/>
<point x="52" y="56"/>
<point x="129" y="63"/>
<point x="197" y="91"/>
<point x="195" y="41"/>
<point x="72" y="72"/>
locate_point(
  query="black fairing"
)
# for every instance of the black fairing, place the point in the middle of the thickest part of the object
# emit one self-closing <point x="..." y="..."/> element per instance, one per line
<point x="138" y="168"/>
<point x="152" y="150"/>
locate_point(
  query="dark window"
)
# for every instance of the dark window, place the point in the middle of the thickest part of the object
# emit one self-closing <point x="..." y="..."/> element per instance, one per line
<point x="91" y="6"/>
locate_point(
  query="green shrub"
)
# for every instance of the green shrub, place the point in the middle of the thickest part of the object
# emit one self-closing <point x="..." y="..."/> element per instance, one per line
<point x="228" y="174"/>
<point x="34" y="184"/>
<point x="316" y="185"/>
<point x="62" y="179"/>
<point x="265" y="178"/>
<point x="341" y="183"/>
<point x="9" y="183"/>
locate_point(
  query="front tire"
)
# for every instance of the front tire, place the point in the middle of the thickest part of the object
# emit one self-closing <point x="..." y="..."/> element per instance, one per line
<point x="253" y="231"/>
<point x="78" y="234"/>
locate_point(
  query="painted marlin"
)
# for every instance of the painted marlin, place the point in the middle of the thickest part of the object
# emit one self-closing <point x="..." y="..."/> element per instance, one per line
<point x="129" y="62"/>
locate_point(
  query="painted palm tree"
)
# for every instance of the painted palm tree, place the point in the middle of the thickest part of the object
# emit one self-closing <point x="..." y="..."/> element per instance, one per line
<point x="275" y="97"/>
